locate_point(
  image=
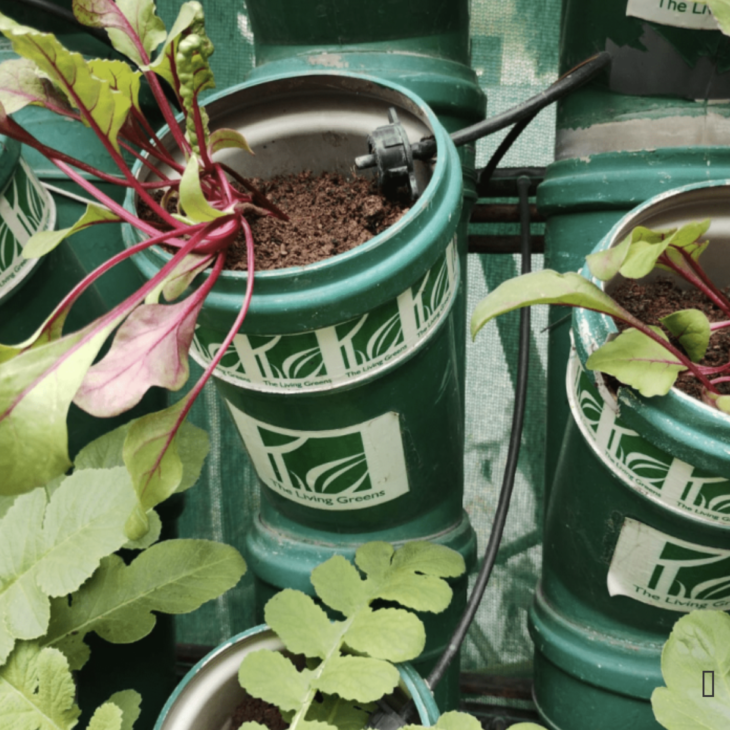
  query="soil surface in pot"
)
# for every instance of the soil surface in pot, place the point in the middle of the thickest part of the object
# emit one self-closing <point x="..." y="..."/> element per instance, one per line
<point x="328" y="214"/>
<point x="252" y="709"/>
<point x="649" y="302"/>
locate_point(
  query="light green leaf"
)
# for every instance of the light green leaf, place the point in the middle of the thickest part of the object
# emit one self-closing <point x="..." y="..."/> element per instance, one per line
<point x="338" y="583"/>
<point x="174" y="576"/>
<point x="129" y="702"/>
<point x="178" y="280"/>
<point x="419" y="592"/>
<point x="151" y="537"/>
<point x="388" y="633"/>
<point x="430" y="559"/>
<point x="106" y="717"/>
<point x="315" y="725"/>
<point x="692" y="328"/>
<point x="273" y="678"/>
<point x="374" y="558"/>
<point x="37" y="690"/>
<point x="687" y="235"/>
<point x="251" y="726"/>
<point x="21" y="85"/>
<point x="192" y="200"/>
<point x="51" y="549"/>
<point x="153" y="460"/>
<point x="340" y="714"/>
<point x="721" y="402"/>
<point x="642" y="258"/>
<point x="69" y="71"/>
<point x="542" y="287"/>
<point x="119" y="76"/>
<point x="458" y="721"/>
<point x="721" y="10"/>
<point x="125" y="21"/>
<point x="36" y="390"/>
<point x="527" y="726"/>
<point x="223" y="139"/>
<point x="301" y="624"/>
<point x="637" y="360"/>
<point x="42" y="242"/>
<point x="357" y="678"/>
<point x="699" y="643"/>
<point x="604" y="265"/>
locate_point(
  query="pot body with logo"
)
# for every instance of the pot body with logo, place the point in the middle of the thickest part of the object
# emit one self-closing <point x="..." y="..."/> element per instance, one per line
<point x="638" y="526"/>
<point x="344" y="380"/>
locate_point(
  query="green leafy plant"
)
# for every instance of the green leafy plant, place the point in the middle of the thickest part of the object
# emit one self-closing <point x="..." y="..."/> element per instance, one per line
<point x="695" y="658"/>
<point x="59" y="581"/>
<point x="350" y="661"/>
<point x="200" y="208"/>
<point x="642" y="356"/>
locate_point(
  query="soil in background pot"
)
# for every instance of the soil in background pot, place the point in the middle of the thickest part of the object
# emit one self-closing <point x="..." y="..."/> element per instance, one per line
<point x="651" y="301"/>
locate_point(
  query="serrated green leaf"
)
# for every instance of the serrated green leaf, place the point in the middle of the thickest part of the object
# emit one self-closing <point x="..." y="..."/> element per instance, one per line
<point x="637" y="360"/>
<point x="37" y="690"/>
<point x="338" y="583"/>
<point x="339" y="713"/>
<point x="430" y="559"/>
<point x="699" y="643"/>
<point x="50" y="549"/>
<point x="192" y="200"/>
<point x="69" y="71"/>
<point x="106" y="717"/>
<point x="692" y="328"/>
<point x="126" y="21"/>
<point x="357" y="678"/>
<point x="273" y="678"/>
<point x="392" y="634"/>
<point x="174" y="576"/>
<point x="129" y="702"/>
<point x="542" y="287"/>
<point x="301" y="624"/>
<point x="374" y="558"/>
<point x="419" y="592"/>
<point x="458" y="721"/>
<point x="43" y="242"/>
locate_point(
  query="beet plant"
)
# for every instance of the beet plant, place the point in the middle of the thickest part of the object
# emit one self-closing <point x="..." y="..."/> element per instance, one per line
<point x="198" y="208"/>
<point x="642" y="356"/>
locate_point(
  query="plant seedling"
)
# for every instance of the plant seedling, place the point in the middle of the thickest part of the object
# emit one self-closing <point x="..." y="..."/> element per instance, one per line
<point x="642" y="356"/>
<point x="200" y="208"/>
<point x="350" y="661"/>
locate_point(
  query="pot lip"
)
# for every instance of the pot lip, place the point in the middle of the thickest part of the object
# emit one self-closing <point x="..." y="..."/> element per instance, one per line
<point x="438" y="176"/>
<point x="660" y="418"/>
<point x="427" y="710"/>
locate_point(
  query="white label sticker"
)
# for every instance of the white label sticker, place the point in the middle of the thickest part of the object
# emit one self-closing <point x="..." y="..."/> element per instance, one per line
<point x="669" y="573"/>
<point x="695" y="15"/>
<point x="341" y="469"/>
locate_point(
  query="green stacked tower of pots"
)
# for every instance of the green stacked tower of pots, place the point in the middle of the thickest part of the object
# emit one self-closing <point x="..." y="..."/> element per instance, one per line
<point x="638" y="527"/>
<point x="656" y="120"/>
<point x="344" y="378"/>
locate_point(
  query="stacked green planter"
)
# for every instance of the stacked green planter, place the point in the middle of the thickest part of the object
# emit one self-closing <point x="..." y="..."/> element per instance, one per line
<point x="638" y="528"/>
<point x="656" y="120"/>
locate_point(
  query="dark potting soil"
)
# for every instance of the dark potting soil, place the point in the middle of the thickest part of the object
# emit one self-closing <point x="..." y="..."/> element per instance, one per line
<point x="252" y="709"/>
<point x="329" y="214"/>
<point x="652" y="301"/>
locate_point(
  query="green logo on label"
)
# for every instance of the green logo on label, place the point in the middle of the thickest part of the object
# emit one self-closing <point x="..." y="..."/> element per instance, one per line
<point x="644" y="466"/>
<point x="663" y="571"/>
<point x="337" y="354"/>
<point x="343" y="469"/>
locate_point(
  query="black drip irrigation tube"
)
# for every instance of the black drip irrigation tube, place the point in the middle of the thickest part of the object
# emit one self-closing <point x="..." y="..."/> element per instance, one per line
<point x="385" y="718"/>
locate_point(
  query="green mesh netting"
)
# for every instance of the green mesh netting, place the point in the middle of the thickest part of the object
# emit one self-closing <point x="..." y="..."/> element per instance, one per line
<point x="514" y="51"/>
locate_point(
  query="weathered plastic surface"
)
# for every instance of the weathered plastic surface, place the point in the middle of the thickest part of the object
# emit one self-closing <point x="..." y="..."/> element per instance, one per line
<point x="343" y="381"/>
<point x="638" y="526"/>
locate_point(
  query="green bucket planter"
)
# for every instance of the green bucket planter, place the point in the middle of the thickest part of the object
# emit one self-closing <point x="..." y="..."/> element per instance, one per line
<point x="344" y="378"/>
<point x="26" y="208"/>
<point x="638" y="526"/>
<point x="209" y="693"/>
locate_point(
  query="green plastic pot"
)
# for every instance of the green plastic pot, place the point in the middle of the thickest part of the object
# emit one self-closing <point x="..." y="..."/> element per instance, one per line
<point x="343" y="380"/>
<point x="638" y="525"/>
<point x="656" y="120"/>
<point x="209" y="693"/>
